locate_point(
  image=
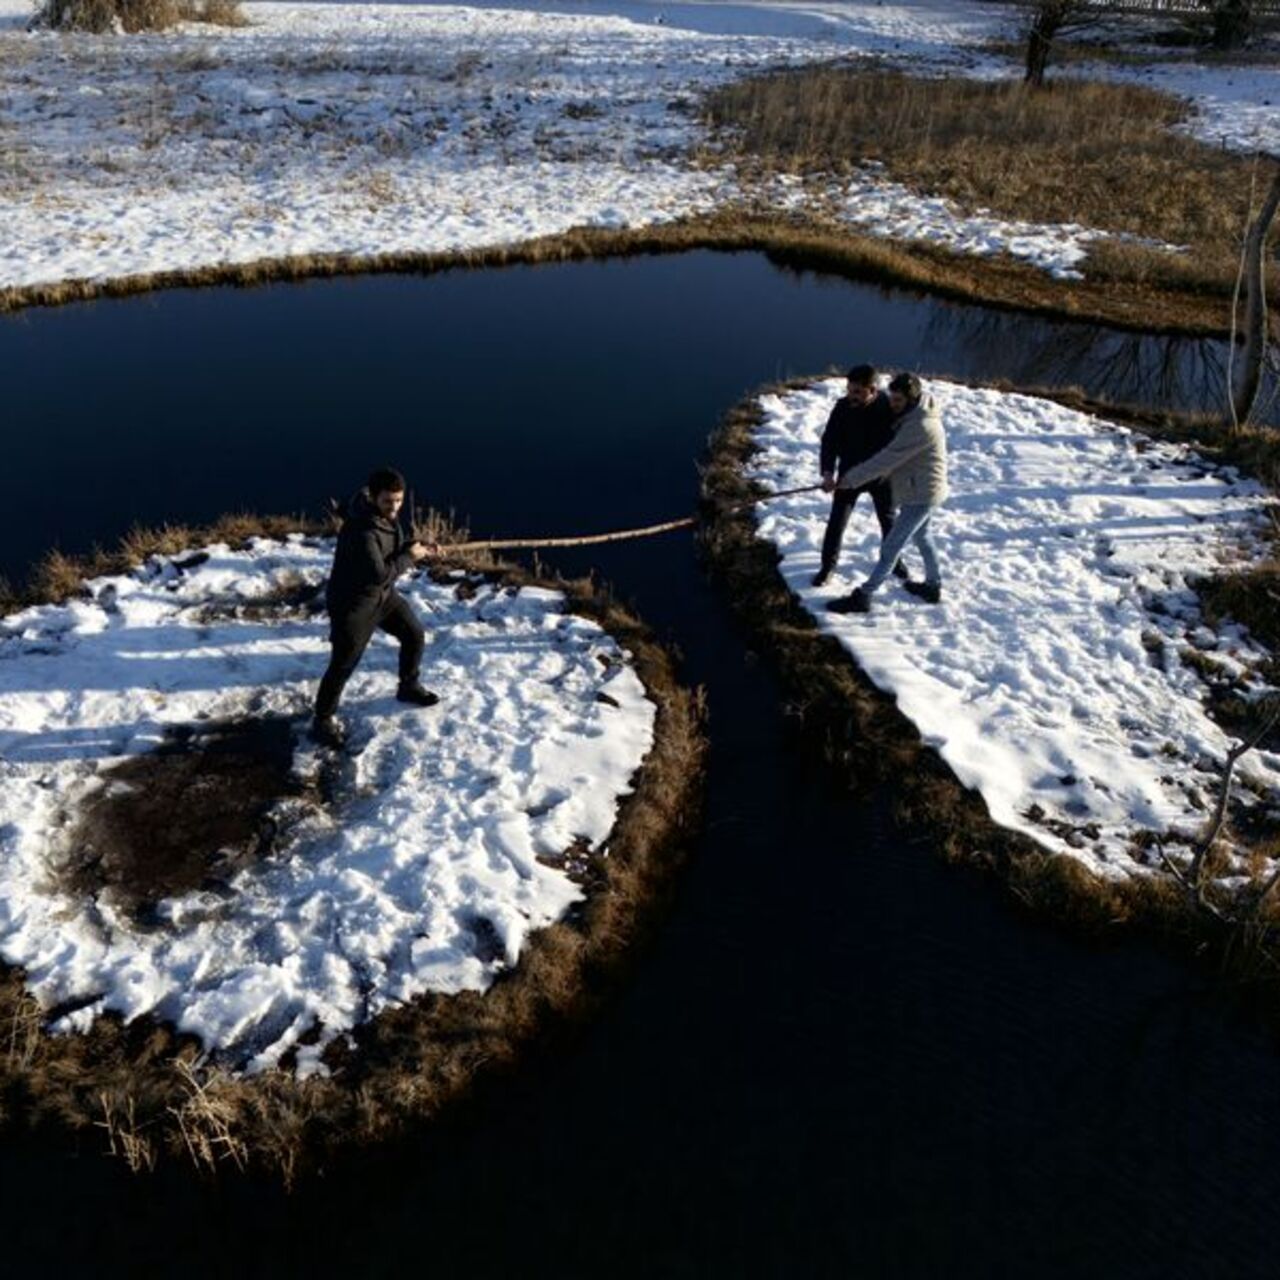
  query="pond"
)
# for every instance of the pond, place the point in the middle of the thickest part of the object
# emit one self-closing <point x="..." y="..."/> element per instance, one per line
<point x="838" y="1056"/>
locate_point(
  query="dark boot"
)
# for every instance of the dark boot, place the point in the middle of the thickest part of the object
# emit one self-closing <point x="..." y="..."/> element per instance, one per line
<point x="855" y="602"/>
<point x="900" y="570"/>
<point x="414" y="694"/>
<point x="328" y="732"/>
<point x="819" y="579"/>
<point x="929" y="592"/>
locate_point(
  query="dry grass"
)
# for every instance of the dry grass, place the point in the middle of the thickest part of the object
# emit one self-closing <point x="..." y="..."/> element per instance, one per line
<point x="58" y="577"/>
<point x="862" y="734"/>
<point x="1099" y="154"/>
<point x="132" y="16"/>
<point x="141" y="1086"/>
<point x="995" y="282"/>
<point x="1251" y="597"/>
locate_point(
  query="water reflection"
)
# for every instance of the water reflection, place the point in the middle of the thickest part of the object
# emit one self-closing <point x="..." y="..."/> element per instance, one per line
<point x="1189" y="373"/>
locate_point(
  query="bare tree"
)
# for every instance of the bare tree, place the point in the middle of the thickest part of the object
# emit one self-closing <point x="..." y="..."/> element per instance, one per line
<point x="1051" y="19"/>
<point x="1223" y="24"/>
<point x="1245" y="380"/>
<point x="1193" y="879"/>
<point x="1234" y="22"/>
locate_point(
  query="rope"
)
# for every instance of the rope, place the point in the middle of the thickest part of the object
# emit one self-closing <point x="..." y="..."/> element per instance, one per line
<point x="619" y="535"/>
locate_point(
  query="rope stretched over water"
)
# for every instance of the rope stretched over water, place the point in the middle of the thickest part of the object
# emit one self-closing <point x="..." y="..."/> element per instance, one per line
<point x="618" y="535"/>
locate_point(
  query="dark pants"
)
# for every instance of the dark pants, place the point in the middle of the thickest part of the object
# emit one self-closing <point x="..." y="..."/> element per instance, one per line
<point x="842" y="504"/>
<point x="350" y="632"/>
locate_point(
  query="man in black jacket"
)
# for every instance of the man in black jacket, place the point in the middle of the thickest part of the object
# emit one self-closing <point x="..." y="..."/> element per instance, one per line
<point x="860" y="425"/>
<point x="371" y="554"/>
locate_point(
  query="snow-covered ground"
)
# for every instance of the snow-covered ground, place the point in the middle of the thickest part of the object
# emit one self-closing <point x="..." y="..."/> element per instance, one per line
<point x="370" y="128"/>
<point x="1054" y="676"/>
<point x="873" y="203"/>
<point x="427" y="873"/>
<point x="1237" y="108"/>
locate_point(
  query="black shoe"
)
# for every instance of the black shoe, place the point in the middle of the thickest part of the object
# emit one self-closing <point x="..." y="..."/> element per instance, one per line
<point x="416" y="695"/>
<point x="900" y="570"/>
<point x="819" y="579"/>
<point x="929" y="592"/>
<point x="328" y="732"/>
<point x="855" y="602"/>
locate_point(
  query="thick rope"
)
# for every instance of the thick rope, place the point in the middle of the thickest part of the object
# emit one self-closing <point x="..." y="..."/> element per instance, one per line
<point x="619" y="535"/>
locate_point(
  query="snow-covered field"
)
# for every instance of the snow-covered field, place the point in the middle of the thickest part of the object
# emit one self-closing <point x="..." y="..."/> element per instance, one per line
<point x="1237" y="108"/>
<point x="371" y="128"/>
<point x="1054" y="677"/>
<point x="427" y="872"/>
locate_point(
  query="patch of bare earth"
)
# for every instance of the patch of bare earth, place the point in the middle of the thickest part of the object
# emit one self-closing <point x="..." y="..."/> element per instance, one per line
<point x="208" y="802"/>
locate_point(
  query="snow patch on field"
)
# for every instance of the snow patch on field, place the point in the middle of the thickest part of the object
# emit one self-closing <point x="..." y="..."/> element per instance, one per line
<point x="1052" y="678"/>
<point x="1237" y="108"/>
<point x="876" y="206"/>
<point x="382" y="128"/>
<point x="426" y="875"/>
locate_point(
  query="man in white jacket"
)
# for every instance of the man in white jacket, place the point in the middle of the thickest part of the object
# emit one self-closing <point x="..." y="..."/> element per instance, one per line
<point x="915" y="464"/>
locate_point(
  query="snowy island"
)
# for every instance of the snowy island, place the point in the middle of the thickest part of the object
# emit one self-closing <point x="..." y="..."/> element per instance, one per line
<point x="1063" y="676"/>
<point x="181" y="863"/>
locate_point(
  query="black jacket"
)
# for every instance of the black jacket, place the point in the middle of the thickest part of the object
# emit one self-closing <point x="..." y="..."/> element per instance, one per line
<point x="854" y="434"/>
<point x="372" y="553"/>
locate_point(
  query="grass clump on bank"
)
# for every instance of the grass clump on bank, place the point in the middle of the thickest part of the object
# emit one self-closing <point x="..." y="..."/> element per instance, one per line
<point x="141" y="1092"/>
<point x="130" y="16"/>
<point x="1102" y="155"/>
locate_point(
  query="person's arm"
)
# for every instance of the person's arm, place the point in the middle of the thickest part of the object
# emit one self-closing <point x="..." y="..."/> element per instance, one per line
<point x="902" y="448"/>
<point x="828" y="451"/>
<point x="411" y="551"/>
<point x="383" y="569"/>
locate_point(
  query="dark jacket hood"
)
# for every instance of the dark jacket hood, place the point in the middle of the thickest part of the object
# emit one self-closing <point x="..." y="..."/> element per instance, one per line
<point x="361" y="509"/>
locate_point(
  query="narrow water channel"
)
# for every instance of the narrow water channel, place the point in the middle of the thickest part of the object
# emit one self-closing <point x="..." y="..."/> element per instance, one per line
<point x="839" y="1056"/>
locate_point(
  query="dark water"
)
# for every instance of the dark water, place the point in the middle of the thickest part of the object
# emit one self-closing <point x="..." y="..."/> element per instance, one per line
<point x="839" y="1057"/>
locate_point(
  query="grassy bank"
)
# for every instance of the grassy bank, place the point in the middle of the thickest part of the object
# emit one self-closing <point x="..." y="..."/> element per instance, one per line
<point x="858" y="729"/>
<point x="1098" y="154"/>
<point x="132" y="16"/>
<point x="138" y="1092"/>
<point x="787" y="240"/>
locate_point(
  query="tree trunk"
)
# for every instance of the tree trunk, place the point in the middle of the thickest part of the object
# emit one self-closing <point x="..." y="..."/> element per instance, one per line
<point x="1038" y="46"/>
<point x="1248" y="380"/>
<point x="1233" y="24"/>
<point x="1046" y="22"/>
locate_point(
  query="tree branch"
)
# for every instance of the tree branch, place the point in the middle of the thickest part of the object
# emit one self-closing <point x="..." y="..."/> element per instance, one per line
<point x="1195" y="873"/>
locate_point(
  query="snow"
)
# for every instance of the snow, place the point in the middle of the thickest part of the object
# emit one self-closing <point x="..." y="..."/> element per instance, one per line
<point x="430" y="851"/>
<point x="383" y="128"/>
<point x="1052" y="678"/>
<point x="1235" y="107"/>
<point x="873" y="204"/>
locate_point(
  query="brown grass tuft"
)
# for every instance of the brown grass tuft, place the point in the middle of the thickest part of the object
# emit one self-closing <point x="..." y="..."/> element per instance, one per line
<point x="59" y="577"/>
<point x="131" y="16"/>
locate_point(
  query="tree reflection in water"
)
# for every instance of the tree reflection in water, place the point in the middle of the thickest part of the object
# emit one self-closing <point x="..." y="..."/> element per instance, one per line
<point x="1111" y="364"/>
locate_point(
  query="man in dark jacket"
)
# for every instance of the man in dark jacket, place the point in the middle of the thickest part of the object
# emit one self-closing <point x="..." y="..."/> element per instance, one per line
<point x="371" y="554"/>
<point x="860" y="425"/>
